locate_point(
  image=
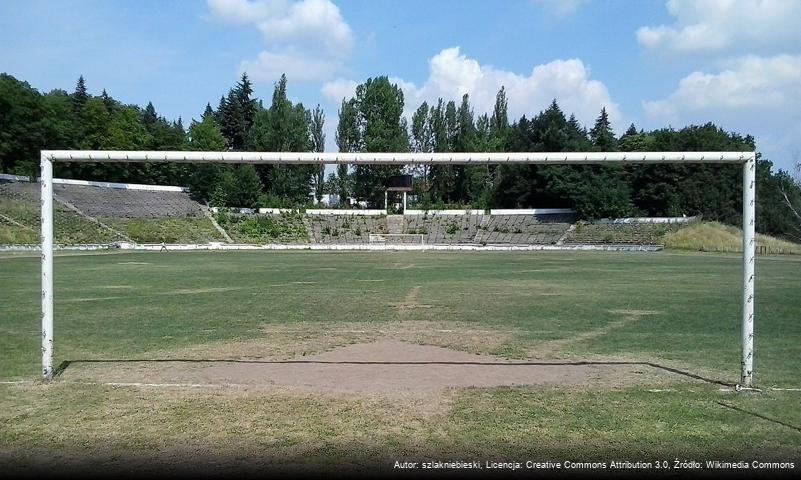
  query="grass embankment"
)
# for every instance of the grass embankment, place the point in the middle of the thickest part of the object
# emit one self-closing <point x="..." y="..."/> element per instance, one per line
<point x="717" y="237"/>
<point x="168" y="230"/>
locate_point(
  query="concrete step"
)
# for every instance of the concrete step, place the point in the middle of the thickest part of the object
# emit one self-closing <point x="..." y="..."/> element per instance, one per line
<point x="395" y="224"/>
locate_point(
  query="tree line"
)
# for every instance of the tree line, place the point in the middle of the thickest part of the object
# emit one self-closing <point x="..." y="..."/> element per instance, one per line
<point x="372" y="120"/>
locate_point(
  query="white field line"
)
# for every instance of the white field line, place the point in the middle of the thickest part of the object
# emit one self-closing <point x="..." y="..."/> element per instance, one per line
<point x="169" y="385"/>
<point x="126" y="247"/>
<point x="252" y="385"/>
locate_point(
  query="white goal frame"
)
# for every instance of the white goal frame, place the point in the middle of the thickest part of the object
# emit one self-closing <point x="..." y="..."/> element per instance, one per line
<point x="746" y="159"/>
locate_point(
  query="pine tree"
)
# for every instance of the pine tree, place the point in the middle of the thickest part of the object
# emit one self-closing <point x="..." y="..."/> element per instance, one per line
<point x="576" y="135"/>
<point x="80" y="96"/>
<point x="601" y="135"/>
<point x="632" y="130"/>
<point x="208" y="112"/>
<point x="247" y="107"/>
<point x="149" y="116"/>
<point x="236" y="112"/>
<point x="107" y="100"/>
<point x="218" y="114"/>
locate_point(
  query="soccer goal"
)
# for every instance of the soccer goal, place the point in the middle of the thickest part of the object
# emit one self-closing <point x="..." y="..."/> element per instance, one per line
<point x="746" y="159"/>
<point x="397" y="239"/>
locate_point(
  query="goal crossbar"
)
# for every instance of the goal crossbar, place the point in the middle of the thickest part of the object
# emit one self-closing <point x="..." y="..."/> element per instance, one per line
<point x="402" y="158"/>
<point x="746" y="159"/>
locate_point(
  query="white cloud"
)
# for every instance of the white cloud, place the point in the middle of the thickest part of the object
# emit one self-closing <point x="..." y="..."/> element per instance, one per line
<point x="750" y="94"/>
<point x="716" y="25"/>
<point x="312" y="23"/>
<point x="336" y="90"/>
<point x="306" y="39"/>
<point x="561" y="8"/>
<point x="749" y="84"/>
<point x="452" y="74"/>
<point x="243" y="12"/>
<point x="268" y="67"/>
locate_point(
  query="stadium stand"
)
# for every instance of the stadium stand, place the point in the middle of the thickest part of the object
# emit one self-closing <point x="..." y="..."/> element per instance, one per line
<point x="635" y="233"/>
<point x="348" y="229"/>
<point x="519" y="230"/>
<point x="445" y="229"/>
<point x="123" y="203"/>
<point x="87" y="214"/>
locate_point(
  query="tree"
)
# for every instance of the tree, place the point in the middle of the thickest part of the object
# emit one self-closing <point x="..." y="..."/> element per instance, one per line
<point x="317" y="140"/>
<point x="206" y="178"/>
<point x="601" y="134"/>
<point x="149" y="116"/>
<point x="208" y="112"/>
<point x="440" y="176"/>
<point x="247" y="188"/>
<point x="379" y="127"/>
<point x="109" y="102"/>
<point x="422" y="139"/>
<point x="632" y="130"/>
<point x="80" y="96"/>
<point x="236" y="113"/>
<point x="22" y="130"/>
<point x="790" y="188"/>
<point x="499" y="122"/>
<point x="348" y="139"/>
<point x="284" y="127"/>
<point x="468" y="186"/>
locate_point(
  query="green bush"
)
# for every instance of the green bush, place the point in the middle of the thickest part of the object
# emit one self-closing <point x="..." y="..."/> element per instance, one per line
<point x="265" y="228"/>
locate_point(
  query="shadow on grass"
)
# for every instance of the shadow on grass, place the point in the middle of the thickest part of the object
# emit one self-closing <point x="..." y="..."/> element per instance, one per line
<point x="758" y="415"/>
<point x="65" y="364"/>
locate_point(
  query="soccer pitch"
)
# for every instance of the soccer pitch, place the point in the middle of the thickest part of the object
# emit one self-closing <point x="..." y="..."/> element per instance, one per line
<point x="171" y="357"/>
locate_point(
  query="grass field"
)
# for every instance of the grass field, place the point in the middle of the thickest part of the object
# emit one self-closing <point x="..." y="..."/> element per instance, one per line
<point x="674" y="310"/>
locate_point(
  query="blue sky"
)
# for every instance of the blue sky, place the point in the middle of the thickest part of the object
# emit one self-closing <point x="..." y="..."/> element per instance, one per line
<point x="653" y="63"/>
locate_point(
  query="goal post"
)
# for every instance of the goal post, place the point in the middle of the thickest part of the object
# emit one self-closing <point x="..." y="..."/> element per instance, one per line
<point x="746" y="159"/>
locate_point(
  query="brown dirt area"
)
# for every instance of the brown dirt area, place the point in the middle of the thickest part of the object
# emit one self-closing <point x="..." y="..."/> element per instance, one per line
<point x="385" y="367"/>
